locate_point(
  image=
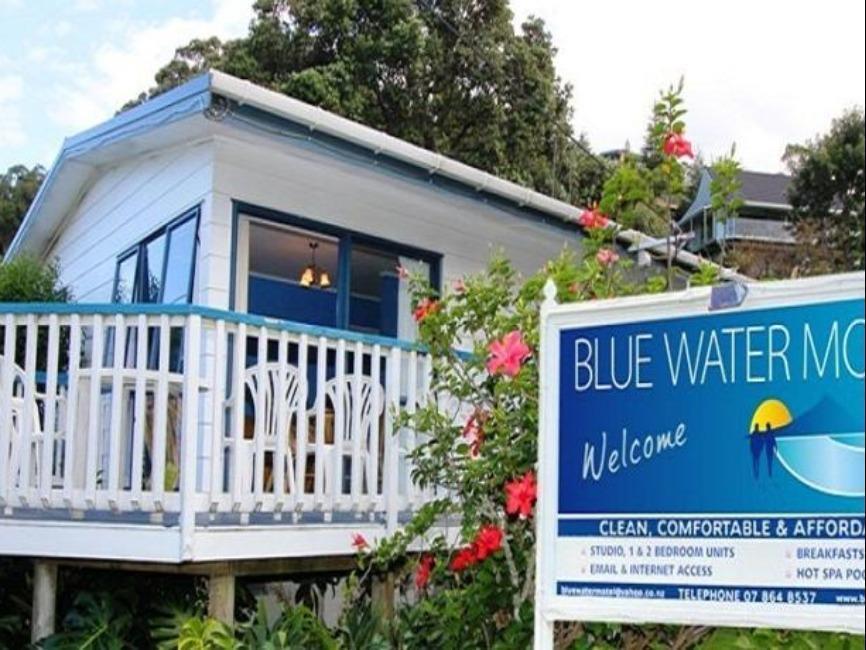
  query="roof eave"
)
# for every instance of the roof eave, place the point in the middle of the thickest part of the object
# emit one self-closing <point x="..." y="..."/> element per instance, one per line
<point x="177" y="103"/>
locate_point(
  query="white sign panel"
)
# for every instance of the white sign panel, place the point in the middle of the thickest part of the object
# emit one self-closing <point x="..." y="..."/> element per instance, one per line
<point x="705" y="467"/>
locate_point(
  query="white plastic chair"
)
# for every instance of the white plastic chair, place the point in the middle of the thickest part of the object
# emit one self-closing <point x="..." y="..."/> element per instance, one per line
<point x="19" y="381"/>
<point x="341" y="395"/>
<point x="270" y="416"/>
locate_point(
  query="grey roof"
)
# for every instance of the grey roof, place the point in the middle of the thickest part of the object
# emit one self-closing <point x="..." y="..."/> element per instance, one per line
<point x="758" y="189"/>
<point x="761" y="187"/>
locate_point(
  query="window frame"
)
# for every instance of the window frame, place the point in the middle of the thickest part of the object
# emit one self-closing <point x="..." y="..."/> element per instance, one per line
<point x="346" y="238"/>
<point x="193" y="214"/>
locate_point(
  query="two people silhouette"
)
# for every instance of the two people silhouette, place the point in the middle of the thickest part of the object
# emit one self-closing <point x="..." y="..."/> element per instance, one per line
<point x="762" y="443"/>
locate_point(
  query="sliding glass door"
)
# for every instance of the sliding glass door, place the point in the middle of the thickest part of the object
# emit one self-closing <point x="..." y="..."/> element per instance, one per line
<point x="322" y="276"/>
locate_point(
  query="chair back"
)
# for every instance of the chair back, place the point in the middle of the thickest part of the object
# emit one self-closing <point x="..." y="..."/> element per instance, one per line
<point x="291" y="395"/>
<point x="341" y="394"/>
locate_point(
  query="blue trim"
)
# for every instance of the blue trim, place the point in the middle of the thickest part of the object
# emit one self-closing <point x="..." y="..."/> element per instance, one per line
<point x="344" y="281"/>
<point x="166" y="230"/>
<point x="188" y="99"/>
<point x="199" y="85"/>
<point x="110" y="309"/>
<point x="347" y="239"/>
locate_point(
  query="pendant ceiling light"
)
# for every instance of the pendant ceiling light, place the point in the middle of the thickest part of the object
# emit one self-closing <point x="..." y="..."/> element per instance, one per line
<point x="314" y="275"/>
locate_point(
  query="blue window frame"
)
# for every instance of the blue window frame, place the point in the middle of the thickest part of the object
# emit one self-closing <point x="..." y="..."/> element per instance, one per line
<point x="363" y="295"/>
<point x="161" y="267"/>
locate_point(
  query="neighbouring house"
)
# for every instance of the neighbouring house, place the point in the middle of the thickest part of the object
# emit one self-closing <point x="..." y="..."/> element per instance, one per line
<point x="759" y="239"/>
<point x="222" y="398"/>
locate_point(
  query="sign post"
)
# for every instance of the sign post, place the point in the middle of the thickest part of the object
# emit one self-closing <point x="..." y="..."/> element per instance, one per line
<point x="704" y="467"/>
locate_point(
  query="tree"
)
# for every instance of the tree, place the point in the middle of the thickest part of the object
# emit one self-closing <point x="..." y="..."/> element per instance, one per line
<point x="725" y="192"/>
<point x="452" y="76"/>
<point x="18" y="187"/>
<point x="827" y="194"/>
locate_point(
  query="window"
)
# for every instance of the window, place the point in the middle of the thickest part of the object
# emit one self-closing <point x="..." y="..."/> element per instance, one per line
<point x="161" y="268"/>
<point x="322" y="275"/>
<point x="378" y="296"/>
<point x="292" y="274"/>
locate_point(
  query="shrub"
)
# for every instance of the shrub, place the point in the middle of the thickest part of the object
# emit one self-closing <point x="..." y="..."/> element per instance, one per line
<point x="26" y="279"/>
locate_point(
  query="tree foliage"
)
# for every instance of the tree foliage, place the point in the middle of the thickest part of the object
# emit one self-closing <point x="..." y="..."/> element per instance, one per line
<point x="452" y="76"/>
<point x="827" y="193"/>
<point x="18" y="187"/>
<point x="726" y="197"/>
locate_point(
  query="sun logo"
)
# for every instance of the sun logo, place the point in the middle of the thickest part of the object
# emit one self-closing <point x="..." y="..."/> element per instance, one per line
<point x="770" y="416"/>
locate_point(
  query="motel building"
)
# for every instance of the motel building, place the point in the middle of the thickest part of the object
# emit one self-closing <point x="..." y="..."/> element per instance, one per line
<point x="221" y="398"/>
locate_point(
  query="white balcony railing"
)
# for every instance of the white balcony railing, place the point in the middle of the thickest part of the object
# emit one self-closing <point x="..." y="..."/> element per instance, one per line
<point x="194" y="415"/>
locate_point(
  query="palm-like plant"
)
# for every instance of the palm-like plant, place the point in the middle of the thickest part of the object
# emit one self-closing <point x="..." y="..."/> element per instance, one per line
<point x="97" y="621"/>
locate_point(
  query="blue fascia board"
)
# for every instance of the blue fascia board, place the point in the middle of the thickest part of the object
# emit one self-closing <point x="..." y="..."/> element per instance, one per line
<point x="211" y="313"/>
<point x="196" y="86"/>
<point x="123" y="125"/>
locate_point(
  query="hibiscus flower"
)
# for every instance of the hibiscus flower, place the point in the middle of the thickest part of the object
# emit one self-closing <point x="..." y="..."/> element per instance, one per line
<point x="592" y="219"/>
<point x="520" y="495"/>
<point x="508" y="354"/>
<point x="473" y="432"/>
<point x="676" y="145"/>
<point x="488" y="541"/>
<point x="425" y="568"/>
<point x="424" y="308"/>
<point x="606" y="257"/>
<point x="463" y="559"/>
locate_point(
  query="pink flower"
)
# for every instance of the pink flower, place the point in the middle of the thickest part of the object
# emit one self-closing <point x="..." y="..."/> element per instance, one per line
<point x="606" y="257"/>
<point x="425" y="568"/>
<point x="676" y="145"/>
<point x="593" y="219"/>
<point x="359" y="542"/>
<point x="459" y="285"/>
<point x="488" y="541"/>
<point x="520" y="495"/>
<point x="402" y="272"/>
<point x="424" y="308"/>
<point x="473" y="432"/>
<point x="508" y="354"/>
<point x="463" y="559"/>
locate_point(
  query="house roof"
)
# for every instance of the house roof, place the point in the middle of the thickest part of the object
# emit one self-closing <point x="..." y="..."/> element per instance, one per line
<point x="187" y="113"/>
<point x="757" y="189"/>
<point x="765" y="188"/>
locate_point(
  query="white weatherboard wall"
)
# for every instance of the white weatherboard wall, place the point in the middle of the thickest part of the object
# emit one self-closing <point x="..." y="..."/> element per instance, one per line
<point x="355" y="194"/>
<point x="123" y="205"/>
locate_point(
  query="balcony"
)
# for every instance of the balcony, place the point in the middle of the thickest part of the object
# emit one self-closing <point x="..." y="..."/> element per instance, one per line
<point x="186" y="434"/>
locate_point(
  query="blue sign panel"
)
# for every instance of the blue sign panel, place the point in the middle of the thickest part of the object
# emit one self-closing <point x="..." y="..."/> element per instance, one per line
<point x="713" y="458"/>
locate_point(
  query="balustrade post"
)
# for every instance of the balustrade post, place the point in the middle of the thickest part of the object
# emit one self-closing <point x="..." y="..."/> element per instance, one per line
<point x="189" y="435"/>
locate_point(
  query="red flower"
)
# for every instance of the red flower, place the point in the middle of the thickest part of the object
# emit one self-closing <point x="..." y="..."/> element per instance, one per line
<point x="359" y="542"/>
<point x="463" y="559"/>
<point x="473" y="432"/>
<point x="425" y="568"/>
<point x="424" y="308"/>
<point x="676" y="145"/>
<point x="508" y="354"/>
<point x="488" y="541"/>
<point x="606" y="257"/>
<point x="520" y="495"/>
<point x="592" y="219"/>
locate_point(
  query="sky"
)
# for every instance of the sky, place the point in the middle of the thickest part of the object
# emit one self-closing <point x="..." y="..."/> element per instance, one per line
<point x="758" y="73"/>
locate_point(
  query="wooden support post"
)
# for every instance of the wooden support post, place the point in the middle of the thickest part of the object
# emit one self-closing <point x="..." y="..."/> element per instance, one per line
<point x="221" y="597"/>
<point x="44" y="600"/>
<point x="383" y="595"/>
